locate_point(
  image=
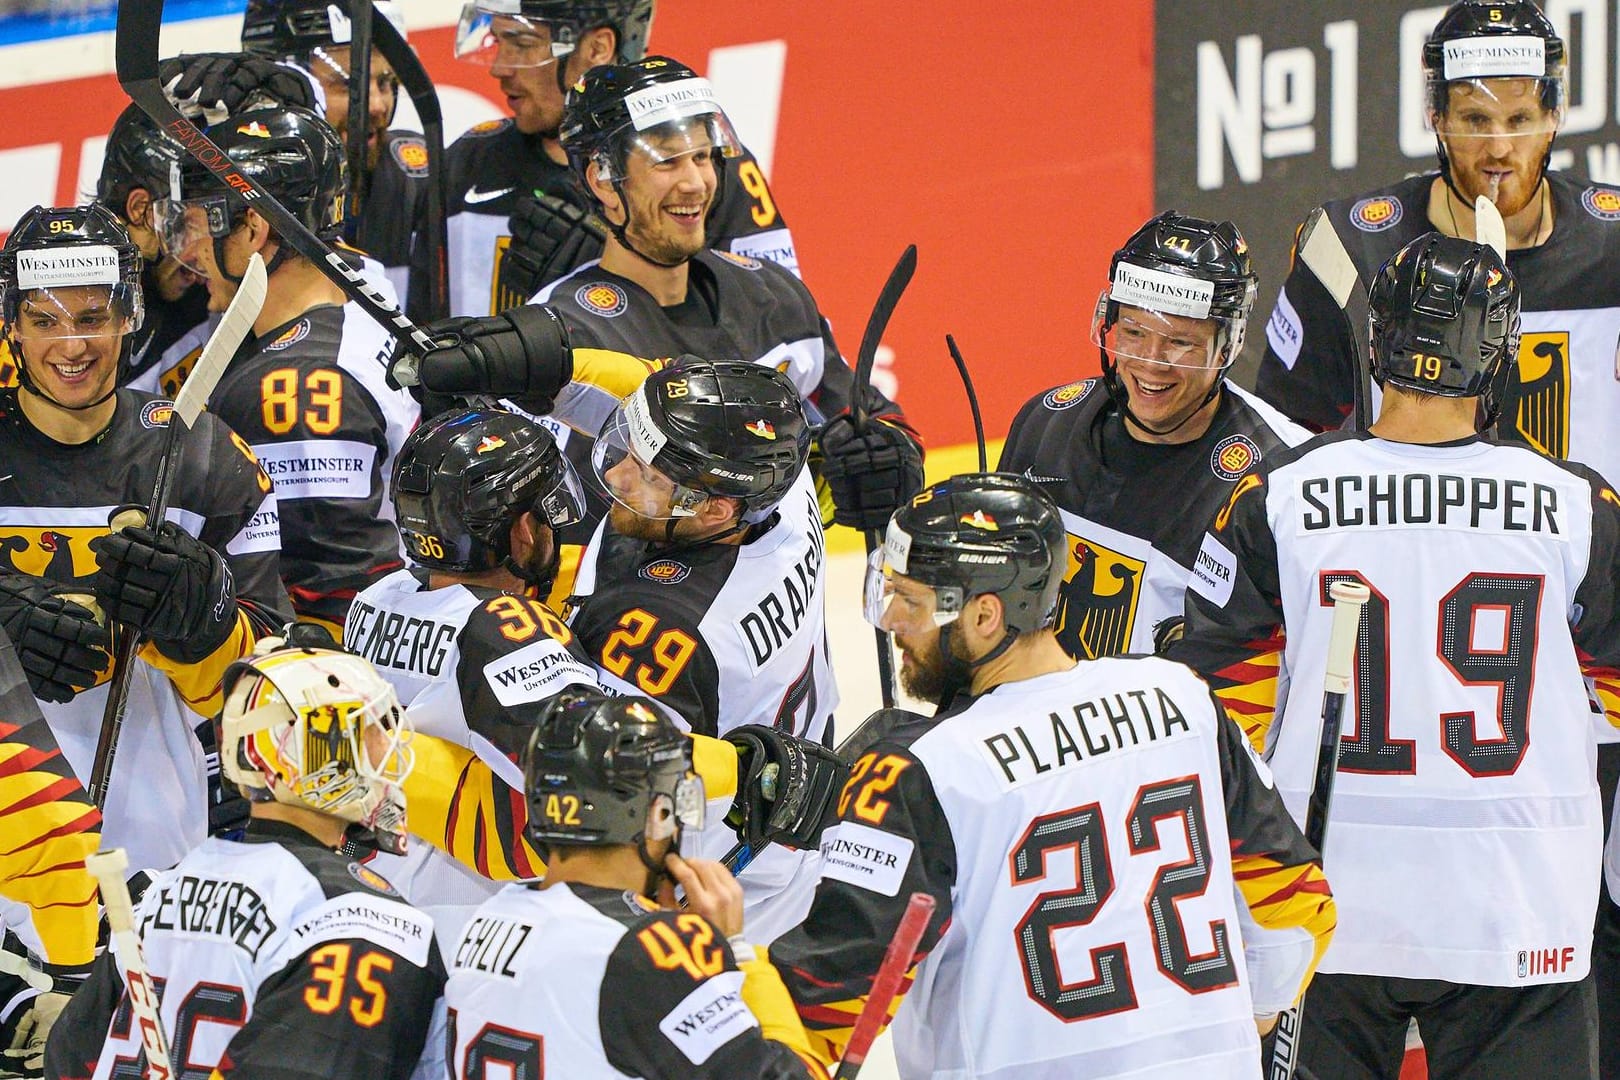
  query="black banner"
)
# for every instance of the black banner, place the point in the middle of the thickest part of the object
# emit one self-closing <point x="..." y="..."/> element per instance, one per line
<point x="1278" y="106"/>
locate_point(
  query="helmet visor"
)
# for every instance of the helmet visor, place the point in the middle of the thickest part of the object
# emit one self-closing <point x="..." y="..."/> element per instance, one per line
<point x="184" y="225"/>
<point x="564" y="504"/>
<point x="883" y="604"/>
<point x="622" y="461"/>
<point x="489" y="38"/>
<point x="670" y="121"/>
<point x="1506" y="107"/>
<point x="1157" y="337"/>
<point x="85" y="312"/>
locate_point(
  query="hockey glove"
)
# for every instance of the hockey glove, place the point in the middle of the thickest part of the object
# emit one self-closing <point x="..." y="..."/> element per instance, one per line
<point x="30" y="1024"/>
<point x="169" y="585"/>
<point x="871" y="474"/>
<point x="216" y="85"/>
<point x="61" y="646"/>
<point x="521" y="354"/>
<point x="550" y="237"/>
<point x="788" y="805"/>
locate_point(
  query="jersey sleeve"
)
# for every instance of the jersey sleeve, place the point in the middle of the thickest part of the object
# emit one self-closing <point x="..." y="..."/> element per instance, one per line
<point x="675" y="1004"/>
<point x="242" y="524"/>
<point x="747" y="219"/>
<point x="891" y="839"/>
<point x="516" y="655"/>
<point x="1308" y="369"/>
<point x="642" y="647"/>
<point x="1277" y="872"/>
<point x="1597" y="600"/>
<point x="356" y="1005"/>
<point x="324" y="447"/>
<point x="1234" y="631"/>
<point x="49" y="825"/>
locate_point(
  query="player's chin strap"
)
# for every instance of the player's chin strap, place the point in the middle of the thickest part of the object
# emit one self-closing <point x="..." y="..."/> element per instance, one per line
<point x="1445" y="170"/>
<point x="657" y="872"/>
<point x="26" y="381"/>
<point x="1122" y="399"/>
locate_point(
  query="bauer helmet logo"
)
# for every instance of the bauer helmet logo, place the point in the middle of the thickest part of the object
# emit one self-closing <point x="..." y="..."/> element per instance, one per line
<point x="762" y="428"/>
<point x="981" y="520"/>
<point x="255" y="129"/>
<point x="490" y="442"/>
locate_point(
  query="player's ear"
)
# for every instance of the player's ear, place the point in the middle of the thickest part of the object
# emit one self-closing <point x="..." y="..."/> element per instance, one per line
<point x="137" y="204"/>
<point x="598" y="47"/>
<point x="985" y="617"/>
<point x="717" y="511"/>
<point x="258" y="230"/>
<point x="605" y="193"/>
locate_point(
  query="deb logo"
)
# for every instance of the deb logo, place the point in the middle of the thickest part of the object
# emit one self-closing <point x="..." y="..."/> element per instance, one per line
<point x="291" y="336"/>
<point x="412" y="156"/>
<point x="602" y="299"/>
<point x="1376" y="214"/>
<point x="741" y="260"/>
<point x="1233" y="456"/>
<point x="370" y="878"/>
<point x="665" y="571"/>
<point x="156" y="414"/>
<point x="1602" y="203"/>
<point x="1067" y="397"/>
<point x="1539" y="962"/>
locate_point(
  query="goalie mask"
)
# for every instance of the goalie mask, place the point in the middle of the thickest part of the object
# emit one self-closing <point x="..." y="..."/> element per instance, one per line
<point x="320" y="730"/>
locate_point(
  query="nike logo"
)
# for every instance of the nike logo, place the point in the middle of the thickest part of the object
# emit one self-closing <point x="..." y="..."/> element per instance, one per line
<point x="475" y="196"/>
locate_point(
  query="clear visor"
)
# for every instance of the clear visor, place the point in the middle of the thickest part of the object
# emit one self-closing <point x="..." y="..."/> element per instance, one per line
<point x="685" y="810"/>
<point x="508" y="41"/>
<point x="184" y="226"/>
<point x="68" y="312"/>
<point x="705" y="137"/>
<point x="1159" y="338"/>
<point x="883" y="604"/>
<point x="330" y="67"/>
<point x="564" y="504"/>
<point x="1497" y="108"/>
<point x="620" y="461"/>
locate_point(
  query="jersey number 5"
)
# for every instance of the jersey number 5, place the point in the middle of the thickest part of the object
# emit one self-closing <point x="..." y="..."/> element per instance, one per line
<point x="1082" y="830"/>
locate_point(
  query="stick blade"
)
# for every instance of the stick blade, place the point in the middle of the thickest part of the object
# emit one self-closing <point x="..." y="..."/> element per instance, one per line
<point x="233" y="329"/>
<point x="135" y="44"/>
<point x="1489" y="228"/>
<point x="899" y="278"/>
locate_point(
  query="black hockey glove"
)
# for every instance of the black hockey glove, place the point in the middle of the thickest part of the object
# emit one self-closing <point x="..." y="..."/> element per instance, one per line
<point x="169" y="585"/>
<point x="59" y="643"/>
<point x="787" y="805"/>
<point x="216" y="85"/>
<point x="550" y="237"/>
<point x="872" y="474"/>
<point x="521" y="354"/>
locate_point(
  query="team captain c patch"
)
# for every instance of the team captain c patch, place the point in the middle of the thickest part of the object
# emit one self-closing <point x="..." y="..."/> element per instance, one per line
<point x="1233" y="456"/>
<point x="602" y="298"/>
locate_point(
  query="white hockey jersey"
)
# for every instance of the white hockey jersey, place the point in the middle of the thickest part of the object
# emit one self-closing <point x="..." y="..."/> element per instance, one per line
<point x="1464" y="837"/>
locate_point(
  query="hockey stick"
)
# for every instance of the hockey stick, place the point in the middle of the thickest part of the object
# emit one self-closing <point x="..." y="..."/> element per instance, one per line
<point x="359" y="120"/>
<point x="973" y="399"/>
<point x="1348" y="600"/>
<point x="1323" y="253"/>
<point x="136" y="58"/>
<point x="234" y="328"/>
<point x="108" y="867"/>
<point x="896" y="962"/>
<point x="893" y="289"/>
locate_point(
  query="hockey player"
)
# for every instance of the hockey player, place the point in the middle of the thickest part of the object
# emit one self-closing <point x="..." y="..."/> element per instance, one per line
<point x="1079" y="825"/>
<point x="1465" y="830"/>
<point x="650" y="991"/>
<point x="517" y="222"/>
<point x="74" y="448"/>
<point x="705" y="587"/>
<point x="314" y="35"/>
<point x="310" y="392"/>
<point x="1169" y="325"/>
<point x="280" y="956"/>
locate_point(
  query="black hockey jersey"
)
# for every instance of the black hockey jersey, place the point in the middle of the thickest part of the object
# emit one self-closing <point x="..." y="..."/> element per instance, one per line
<point x="312" y="398"/>
<point x="54" y="500"/>
<point x="1132" y="509"/>
<point x="1086" y="835"/>
<point x="585" y="982"/>
<point x="394" y="199"/>
<point x="493" y="164"/>
<point x="1567" y="386"/>
<point x="273" y="957"/>
<point x="1465" y="825"/>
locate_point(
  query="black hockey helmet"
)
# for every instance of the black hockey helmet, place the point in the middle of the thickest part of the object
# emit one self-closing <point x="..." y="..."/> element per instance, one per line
<point x="973" y="534"/>
<point x="290" y="152"/>
<point x="286" y="29"/>
<point x="595" y="767"/>
<point x="566" y="22"/>
<point x="619" y="107"/>
<point x="1481" y="39"/>
<point x="1444" y="319"/>
<point x="463" y="477"/>
<point x="138" y="155"/>
<point x="713" y="427"/>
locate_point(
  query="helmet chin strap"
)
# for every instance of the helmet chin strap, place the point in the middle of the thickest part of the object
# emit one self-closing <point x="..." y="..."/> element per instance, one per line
<point x="1444" y="159"/>
<point x="621" y="234"/>
<point x="27" y="382"/>
<point x="1122" y="399"/>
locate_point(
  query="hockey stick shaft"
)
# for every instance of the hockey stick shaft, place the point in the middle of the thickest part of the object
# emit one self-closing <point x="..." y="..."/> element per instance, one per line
<point x="233" y="329"/>
<point x="1349" y="598"/>
<point x="876" y="324"/>
<point x="136" y="59"/>
<point x="359" y="120"/>
<point x="886" y="985"/>
<point x="108" y="868"/>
